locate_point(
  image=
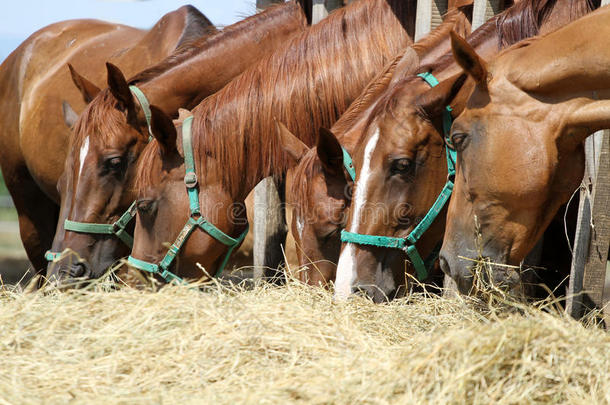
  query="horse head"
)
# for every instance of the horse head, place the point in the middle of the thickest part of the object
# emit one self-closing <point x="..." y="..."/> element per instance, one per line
<point x="96" y="187"/>
<point x="186" y="195"/>
<point x="520" y="147"/>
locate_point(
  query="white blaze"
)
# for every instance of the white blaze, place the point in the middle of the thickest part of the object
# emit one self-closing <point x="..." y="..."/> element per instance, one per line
<point x="346" y="268"/>
<point x="84" y="150"/>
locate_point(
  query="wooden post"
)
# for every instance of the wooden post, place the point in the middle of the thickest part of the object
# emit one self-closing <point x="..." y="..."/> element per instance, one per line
<point x="429" y="16"/>
<point x="589" y="263"/>
<point x="321" y="8"/>
<point x="589" y="285"/>
<point x="262" y="4"/>
<point x="483" y="10"/>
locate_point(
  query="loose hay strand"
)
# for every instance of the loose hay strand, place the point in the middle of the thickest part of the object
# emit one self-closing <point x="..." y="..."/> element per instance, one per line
<point x="272" y="344"/>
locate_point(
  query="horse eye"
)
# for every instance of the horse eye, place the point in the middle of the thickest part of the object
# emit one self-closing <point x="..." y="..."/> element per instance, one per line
<point x="401" y="166"/>
<point x="145" y="206"/>
<point x="114" y="163"/>
<point x="457" y="140"/>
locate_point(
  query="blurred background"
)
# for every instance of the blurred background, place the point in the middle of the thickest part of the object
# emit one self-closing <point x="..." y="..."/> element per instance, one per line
<point x="19" y="19"/>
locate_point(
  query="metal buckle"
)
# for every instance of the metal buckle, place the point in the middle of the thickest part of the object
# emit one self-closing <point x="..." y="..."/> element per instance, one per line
<point x="190" y="179"/>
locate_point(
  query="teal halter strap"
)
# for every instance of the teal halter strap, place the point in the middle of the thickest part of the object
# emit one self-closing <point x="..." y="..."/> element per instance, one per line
<point x="145" y="105"/>
<point x="348" y="164"/>
<point x="118" y="228"/>
<point x="408" y="244"/>
<point x="195" y="220"/>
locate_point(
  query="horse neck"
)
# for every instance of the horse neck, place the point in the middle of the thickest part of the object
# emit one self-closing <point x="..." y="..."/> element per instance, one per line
<point x="221" y="57"/>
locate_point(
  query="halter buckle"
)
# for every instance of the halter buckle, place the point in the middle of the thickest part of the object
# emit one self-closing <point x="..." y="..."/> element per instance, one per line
<point x="190" y="179"/>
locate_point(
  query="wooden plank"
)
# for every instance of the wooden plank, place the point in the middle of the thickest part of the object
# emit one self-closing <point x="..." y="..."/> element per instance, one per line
<point x="594" y="277"/>
<point x="483" y="10"/>
<point x="423" y="19"/>
<point x="269" y="231"/>
<point x="439" y="9"/>
<point x="589" y="263"/>
<point x="318" y="11"/>
<point x="262" y="4"/>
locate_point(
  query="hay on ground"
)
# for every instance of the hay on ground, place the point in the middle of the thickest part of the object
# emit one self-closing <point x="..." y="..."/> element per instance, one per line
<point x="290" y="344"/>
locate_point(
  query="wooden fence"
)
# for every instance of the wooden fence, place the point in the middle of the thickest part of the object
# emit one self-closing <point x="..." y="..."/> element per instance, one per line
<point x="588" y="288"/>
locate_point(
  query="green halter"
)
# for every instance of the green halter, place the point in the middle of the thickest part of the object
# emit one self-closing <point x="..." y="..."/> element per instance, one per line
<point x="118" y="228"/>
<point x="408" y="244"/>
<point x="195" y="220"/>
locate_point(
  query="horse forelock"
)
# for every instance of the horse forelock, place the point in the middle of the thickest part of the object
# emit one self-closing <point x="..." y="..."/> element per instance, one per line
<point x="101" y="120"/>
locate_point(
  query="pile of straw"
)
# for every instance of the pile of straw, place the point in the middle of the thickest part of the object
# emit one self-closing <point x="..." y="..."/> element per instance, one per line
<point x="290" y="344"/>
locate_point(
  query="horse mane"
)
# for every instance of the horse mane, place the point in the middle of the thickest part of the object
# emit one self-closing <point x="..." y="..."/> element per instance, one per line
<point x="190" y="49"/>
<point x="236" y="126"/>
<point x="525" y="18"/>
<point x="309" y="165"/>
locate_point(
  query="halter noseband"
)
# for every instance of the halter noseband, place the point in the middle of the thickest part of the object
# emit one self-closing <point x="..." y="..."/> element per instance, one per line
<point x="118" y="228"/>
<point x="408" y="244"/>
<point x="195" y="220"/>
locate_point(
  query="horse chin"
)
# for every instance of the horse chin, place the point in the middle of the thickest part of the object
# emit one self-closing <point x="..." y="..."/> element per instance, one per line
<point x="384" y="287"/>
<point x="488" y="273"/>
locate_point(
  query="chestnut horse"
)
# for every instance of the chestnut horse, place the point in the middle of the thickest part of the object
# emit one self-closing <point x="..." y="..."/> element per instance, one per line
<point x="319" y="193"/>
<point x="96" y="187"/>
<point x="520" y="143"/>
<point x="33" y="82"/>
<point x="402" y="164"/>
<point x="306" y="85"/>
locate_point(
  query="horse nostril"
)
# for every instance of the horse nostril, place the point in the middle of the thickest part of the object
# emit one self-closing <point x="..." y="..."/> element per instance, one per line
<point x="78" y="270"/>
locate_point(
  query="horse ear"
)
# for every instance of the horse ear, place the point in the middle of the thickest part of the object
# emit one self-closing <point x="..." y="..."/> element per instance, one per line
<point x="407" y="65"/>
<point x="119" y="88"/>
<point x="329" y="152"/>
<point x="468" y="59"/>
<point x="293" y="146"/>
<point x="70" y="116"/>
<point x="87" y="89"/>
<point x="164" y="131"/>
<point x="434" y="101"/>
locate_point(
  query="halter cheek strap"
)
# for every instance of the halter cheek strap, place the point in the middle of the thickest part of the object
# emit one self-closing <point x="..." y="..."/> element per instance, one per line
<point x="408" y="244"/>
<point x="118" y="228"/>
<point x="195" y="220"/>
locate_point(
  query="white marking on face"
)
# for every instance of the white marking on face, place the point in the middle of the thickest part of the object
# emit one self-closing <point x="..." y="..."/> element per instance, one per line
<point x="84" y="150"/>
<point x="384" y="280"/>
<point x="300" y="226"/>
<point x="346" y="268"/>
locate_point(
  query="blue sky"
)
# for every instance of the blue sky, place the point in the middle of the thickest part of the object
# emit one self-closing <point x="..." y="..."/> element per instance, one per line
<point x="20" y="18"/>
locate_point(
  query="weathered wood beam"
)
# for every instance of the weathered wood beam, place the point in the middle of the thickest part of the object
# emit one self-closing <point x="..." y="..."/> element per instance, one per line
<point x="586" y="288"/>
<point x="262" y="4"/>
<point x="483" y="10"/>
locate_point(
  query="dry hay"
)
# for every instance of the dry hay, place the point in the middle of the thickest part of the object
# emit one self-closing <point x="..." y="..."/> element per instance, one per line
<point x="290" y="344"/>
